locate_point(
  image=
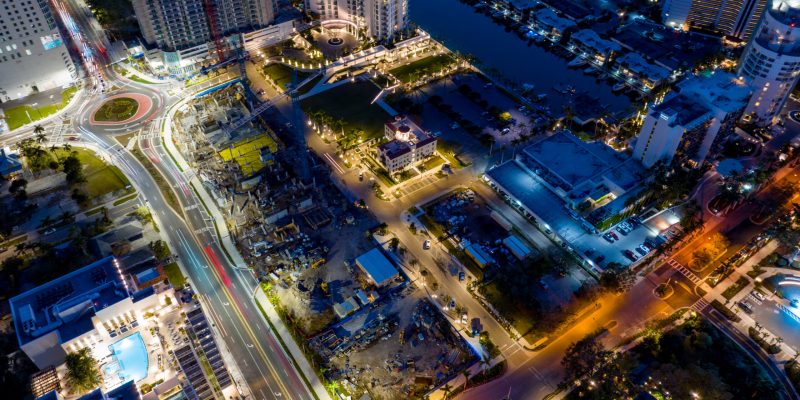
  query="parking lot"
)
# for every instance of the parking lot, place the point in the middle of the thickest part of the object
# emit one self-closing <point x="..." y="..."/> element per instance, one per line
<point x="781" y="322"/>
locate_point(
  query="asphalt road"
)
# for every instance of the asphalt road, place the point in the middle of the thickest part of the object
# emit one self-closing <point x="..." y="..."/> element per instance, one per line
<point x="226" y="290"/>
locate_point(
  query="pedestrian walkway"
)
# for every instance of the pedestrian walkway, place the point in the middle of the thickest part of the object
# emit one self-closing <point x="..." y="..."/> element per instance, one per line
<point x="685" y="271"/>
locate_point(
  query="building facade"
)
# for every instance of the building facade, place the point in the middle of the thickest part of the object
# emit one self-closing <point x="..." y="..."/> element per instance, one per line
<point x="380" y="20"/>
<point x="408" y="144"/>
<point x="183" y="24"/>
<point x="33" y="56"/>
<point x="771" y="62"/>
<point x="690" y="121"/>
<point x="736" y="18"/>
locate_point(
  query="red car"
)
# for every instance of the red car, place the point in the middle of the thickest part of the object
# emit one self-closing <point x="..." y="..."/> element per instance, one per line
<point x="614" y="235"/>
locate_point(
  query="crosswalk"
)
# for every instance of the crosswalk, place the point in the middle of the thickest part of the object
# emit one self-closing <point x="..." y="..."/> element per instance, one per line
<point x="684" y="271"/>
<point x="700" y="305"/>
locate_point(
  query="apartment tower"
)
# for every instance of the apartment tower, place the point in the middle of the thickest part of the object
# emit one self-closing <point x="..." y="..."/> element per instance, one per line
<point x="771" y="62"/>
<point x="33" y="56"/>
<point x="733" y="18"/>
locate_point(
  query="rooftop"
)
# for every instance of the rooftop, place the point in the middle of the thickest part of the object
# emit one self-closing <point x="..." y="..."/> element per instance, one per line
<point x="9" y="162"/>
<point x="548" y="17"/>
<point x="377" y="266"/>
<point x="718" y="90"/>
<point x="687" y="111"/>
<point x="590" y="38"/>
<point x="669" y="47"/>
<point x="68" y="303"/>
<point x="570" y="159"/>
<point x="640" y="66"/>
<point x="698" y="97"/>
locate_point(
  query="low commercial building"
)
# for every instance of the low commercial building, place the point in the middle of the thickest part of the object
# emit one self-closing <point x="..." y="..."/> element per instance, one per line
<point x="569" y="183"/>
<point x="408" y="144"/>
<point x="479" y="255"/>
<point x="591" y="46"/>
<point x="378" y="269"/>
<point x="517" y="247"/>
<point x="691" y="120"/>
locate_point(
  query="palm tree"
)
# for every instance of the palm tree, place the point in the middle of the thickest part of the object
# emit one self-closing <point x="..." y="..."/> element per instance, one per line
<point x="446" y="388"/>
<point x="38" y="130"/>
<point x="67" y="217"/>
<point x="485" y="361"/>
<point x="82" y="373"/>
<point x="466" y="374"/>
<point x="46" y="221"/>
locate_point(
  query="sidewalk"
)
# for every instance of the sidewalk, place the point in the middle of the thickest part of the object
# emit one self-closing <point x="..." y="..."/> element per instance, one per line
<point x="305" y="368"/>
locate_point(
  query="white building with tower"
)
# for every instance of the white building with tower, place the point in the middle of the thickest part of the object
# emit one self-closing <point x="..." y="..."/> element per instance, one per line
<point x="408" y="144"/>
<point x="771" y="62"/>
<point x="377" y="19"/>
<point x="33" y="56"/>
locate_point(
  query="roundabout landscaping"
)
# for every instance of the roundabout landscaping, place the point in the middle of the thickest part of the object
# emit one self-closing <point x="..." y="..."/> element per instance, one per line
<point x="122" y="109"/>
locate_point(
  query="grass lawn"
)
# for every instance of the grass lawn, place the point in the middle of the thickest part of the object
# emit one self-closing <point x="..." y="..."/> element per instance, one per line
<point x="431" y="163"/>
<point x="281" y="74"/>
<point x="350" y="102"/>
<point x="117" y="110"/>
<point x="427" y="65"/>
<point x="21" y="115"/>
<point x="101" y="178"/>
<point x="174" y="275"/>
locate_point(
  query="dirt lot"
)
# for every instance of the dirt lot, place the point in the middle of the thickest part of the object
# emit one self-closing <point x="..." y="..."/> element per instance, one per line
<point x="399" y="350"/>
<point x="306" y="298"/>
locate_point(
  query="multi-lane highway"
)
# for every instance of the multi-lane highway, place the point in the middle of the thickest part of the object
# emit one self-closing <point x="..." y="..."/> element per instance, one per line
<point x="226" y="289"/>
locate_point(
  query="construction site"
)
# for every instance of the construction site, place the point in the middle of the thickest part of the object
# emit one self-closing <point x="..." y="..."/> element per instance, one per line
<point x="401" y="348"/>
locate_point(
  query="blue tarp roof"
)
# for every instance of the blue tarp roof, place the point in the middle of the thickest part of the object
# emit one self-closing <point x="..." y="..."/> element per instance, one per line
<point x="377" y="266"/>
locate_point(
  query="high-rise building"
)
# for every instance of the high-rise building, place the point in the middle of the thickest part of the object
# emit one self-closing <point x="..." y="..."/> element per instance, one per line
<point x="378" y="19"/>
<point x="771" y="62"/>
<point x="690" y="120"/>
<point x="179" y="24"/>
<point x="734" y="18"/>
<point x="33" y="56"/>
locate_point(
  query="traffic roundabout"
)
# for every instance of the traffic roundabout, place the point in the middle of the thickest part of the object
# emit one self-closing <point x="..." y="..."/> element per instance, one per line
<point x="122" y="109"/>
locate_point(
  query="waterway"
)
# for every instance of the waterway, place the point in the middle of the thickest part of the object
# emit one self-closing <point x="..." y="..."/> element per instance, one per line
<point x="460" y="28"/>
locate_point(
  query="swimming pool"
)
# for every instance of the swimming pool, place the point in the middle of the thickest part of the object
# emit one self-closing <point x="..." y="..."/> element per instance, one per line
<point x="130" y="358"/>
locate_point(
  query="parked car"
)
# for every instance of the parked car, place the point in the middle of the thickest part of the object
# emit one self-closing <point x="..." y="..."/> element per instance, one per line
<point x="614" y="235"/>
<point x="461" y="276"/>
<point x="747" y="307"/>
<point x="427" y="244"/>
<point x="759" y="295"/>
<point x="49" y="231"/>
<point x="608" y="237"/>
<point x="642" y="249"/>
<point x="628" y="253"/>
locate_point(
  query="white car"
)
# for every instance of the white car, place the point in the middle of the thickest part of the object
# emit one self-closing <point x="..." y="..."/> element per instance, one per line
<point x="426" y="245"/>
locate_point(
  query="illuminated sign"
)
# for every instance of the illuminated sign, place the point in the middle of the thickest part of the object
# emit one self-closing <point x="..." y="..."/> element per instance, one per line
<point x="51" y="41"/>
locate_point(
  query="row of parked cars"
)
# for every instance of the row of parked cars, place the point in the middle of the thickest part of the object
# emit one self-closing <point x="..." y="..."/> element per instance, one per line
<point x="624" y="228"/>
